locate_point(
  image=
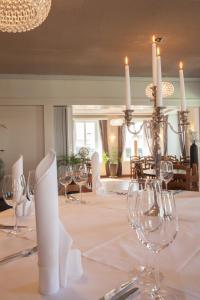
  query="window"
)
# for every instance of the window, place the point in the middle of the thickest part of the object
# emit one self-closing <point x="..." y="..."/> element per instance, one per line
<point x="135" y="145"/>
<point x="86" y="134"/>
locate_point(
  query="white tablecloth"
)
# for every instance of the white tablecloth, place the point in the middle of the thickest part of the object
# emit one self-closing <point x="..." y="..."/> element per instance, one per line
<point x="111" y="252"/>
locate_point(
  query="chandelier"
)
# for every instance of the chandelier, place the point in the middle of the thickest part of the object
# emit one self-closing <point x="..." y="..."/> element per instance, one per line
<point x="167" y="89"/>
<point x="22" y="15"/>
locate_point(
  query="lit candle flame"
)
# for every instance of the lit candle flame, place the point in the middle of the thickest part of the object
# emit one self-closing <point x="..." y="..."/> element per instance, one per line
<point x="126" y="60"/>
<point x="181" y="65"/>
<point x="158" y="51"/>
<point x="153" y="38"/>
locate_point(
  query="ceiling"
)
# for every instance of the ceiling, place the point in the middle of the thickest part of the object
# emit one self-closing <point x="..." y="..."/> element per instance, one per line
<point x="91" y="37"/>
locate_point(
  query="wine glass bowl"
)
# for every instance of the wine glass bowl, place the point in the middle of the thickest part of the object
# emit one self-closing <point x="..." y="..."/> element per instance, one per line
<point x="166" y="171"/>
<point x="31" y="184"/>
<point x="134" y="186"/>
<point x="156" y="231"/>
<point x="145" y="272"/>
<point x="65" y="177"/>
<point x="14" y="194"/>
<point x="80" y="177"/>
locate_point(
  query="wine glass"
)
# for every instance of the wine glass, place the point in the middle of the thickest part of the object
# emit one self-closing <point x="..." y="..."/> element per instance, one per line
<point x="31" y="185"/>
<point x="14" y="194"/>
<point x="65" y="177"/>
<point x="145" y="275"/>
<point x="156" y="231"/>
<point x="134" y="186"/>
<point x="166" y="171"/>
<point x="80" y="176"/>
<point x="30" y="189"/>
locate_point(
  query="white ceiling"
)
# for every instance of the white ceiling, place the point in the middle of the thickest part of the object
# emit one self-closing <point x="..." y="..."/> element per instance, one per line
<point x="88" y="37"/>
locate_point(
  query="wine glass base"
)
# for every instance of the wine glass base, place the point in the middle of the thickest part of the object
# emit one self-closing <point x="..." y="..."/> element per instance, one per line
<point x="146" y="277"/>
<point x="72" y="199"/>
<point x="22" y="230"/>
<point x="162" y="294"/>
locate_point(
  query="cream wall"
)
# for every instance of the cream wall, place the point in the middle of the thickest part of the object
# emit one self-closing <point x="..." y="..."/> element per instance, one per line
<point x="65" y="90"/>
<point x="32" y="99"/>
<point x="24" y="135"/>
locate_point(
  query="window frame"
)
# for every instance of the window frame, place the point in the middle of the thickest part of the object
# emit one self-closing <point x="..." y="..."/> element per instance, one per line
<point x="98" y="146"/>
<point x="126" y="158"/>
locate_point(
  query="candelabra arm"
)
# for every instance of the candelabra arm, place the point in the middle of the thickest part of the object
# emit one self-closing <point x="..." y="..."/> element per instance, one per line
<point x="172" y="128"/>
<point x="134" y="131"/>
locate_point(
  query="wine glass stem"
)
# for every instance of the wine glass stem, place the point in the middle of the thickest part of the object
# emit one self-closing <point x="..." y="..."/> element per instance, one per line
<point x="65" y="190"/>
<point x="16" y="218"/>
<point x="156" y="273"/>
<point x="81" y="192"/>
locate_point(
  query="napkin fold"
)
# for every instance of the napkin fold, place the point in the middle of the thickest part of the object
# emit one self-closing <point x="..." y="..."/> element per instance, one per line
<point x="57" y="261"/>
<point x="24" y="208"/>
<point x="96" y="171"/>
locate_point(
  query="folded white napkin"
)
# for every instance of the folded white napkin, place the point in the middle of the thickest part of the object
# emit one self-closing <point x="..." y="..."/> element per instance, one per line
<point x="57" y="262"/>
<point x="96" y="172"/>
<point x="24" y="208"/>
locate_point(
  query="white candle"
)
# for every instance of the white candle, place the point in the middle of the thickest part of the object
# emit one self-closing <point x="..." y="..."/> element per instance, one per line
<point x="182" y="87"/>
<point x="159" y="97"/>
<point x="154" y="61"/>
<point x="128" y="88"/>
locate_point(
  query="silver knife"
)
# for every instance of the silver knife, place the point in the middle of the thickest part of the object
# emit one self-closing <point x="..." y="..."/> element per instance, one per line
<point x="23" y="253"/>
<point x="121" y="293"/>
<point x="2" y="226"/>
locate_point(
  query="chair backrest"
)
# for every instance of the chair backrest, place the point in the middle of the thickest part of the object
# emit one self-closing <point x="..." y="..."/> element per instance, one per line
<point x="185" y="159"/>
<point x="172" y="158"/>
<point x="194" y="178"/>
<point x="133" y="161"/>
<point x="149" y="162"/>
<point x="134" y="158"/>
<point x="185" y="181"/>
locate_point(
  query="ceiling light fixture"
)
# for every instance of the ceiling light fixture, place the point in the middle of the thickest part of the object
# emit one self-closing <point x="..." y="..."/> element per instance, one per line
<point x="167" y="89"/>
<point x="22" y="15"/>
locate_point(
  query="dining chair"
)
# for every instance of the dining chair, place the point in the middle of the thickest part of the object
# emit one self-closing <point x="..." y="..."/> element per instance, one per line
<point x="133" y="161"/>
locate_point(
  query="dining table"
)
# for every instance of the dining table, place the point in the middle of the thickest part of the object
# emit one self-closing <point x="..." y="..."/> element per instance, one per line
<point x="111" y="252"/>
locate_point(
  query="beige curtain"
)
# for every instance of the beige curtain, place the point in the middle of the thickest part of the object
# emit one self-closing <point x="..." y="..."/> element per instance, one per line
<point x="104" y="138"/>
<point x="63" y="130"/>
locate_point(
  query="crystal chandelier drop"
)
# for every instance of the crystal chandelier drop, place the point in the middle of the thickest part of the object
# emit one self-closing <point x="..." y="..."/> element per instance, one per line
<point x="167" y="89"/>
<point x="22" y="15"/>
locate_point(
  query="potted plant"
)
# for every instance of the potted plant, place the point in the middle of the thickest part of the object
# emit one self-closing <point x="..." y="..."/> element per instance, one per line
<point x="112" y="160"/>
<point x="72" y="159"/>
<point x="113" y="163"/>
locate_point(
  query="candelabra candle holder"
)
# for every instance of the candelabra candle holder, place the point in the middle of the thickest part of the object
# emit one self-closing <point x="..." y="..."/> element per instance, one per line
<point x="184" y="118"/>
<point x="128" y="117"/>
<point x="157" y="121"/>
<point x="183" y="125"/>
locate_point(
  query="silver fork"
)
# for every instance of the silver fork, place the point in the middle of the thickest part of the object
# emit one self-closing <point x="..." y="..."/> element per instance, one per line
<point x="23" y="253"/>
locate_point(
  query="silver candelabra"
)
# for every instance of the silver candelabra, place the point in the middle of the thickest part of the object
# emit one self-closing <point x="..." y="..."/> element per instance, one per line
<point x="155" y="124"/>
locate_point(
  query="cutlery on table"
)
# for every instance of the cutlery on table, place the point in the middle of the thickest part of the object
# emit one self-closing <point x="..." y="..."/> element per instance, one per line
<point x="20" y="254"/>
<point x="2" y="226"/>
<point x="122" y="193"/>
<point x="121" y="293"/>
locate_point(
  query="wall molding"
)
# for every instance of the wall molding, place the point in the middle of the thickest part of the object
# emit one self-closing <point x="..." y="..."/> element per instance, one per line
<point x="85" y="90"/>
